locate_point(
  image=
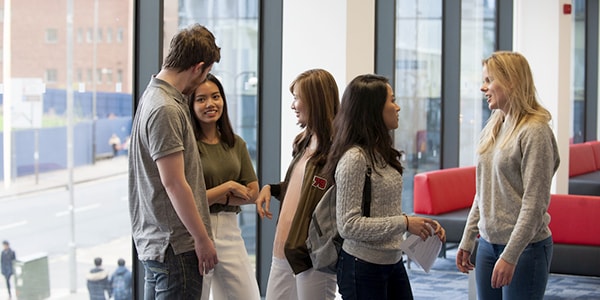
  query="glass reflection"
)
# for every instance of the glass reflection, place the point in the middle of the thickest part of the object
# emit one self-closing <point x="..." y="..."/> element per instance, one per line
<point x="578" y="85"/>
<point x="478" y="26"/>
<point x="235" y="26"/>
<point x="418" y="88"/>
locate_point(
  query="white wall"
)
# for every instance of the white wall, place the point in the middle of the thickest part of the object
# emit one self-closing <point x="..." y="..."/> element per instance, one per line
<point x="335" y="35"/>
<point x="542" y="33"/>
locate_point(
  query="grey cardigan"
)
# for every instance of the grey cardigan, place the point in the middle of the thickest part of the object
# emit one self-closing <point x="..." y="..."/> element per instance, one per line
<point x="375" y="239"/>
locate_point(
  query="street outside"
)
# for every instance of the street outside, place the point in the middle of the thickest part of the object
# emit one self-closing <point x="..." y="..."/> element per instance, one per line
<point x="37" y="222"/>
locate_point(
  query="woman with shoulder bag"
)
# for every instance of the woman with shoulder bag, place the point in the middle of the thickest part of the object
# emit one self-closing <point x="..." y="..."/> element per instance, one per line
<point x="370" y="263"/>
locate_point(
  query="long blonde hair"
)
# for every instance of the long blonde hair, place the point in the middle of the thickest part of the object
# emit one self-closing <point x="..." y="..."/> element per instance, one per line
<point x="512" y="74"/>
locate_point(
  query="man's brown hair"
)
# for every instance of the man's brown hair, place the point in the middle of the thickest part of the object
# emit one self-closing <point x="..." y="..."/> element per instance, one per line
<point x="191" y="46"/>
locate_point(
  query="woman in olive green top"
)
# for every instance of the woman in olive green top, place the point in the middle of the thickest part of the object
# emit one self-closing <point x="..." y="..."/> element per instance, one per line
<point x="230" y="182"/>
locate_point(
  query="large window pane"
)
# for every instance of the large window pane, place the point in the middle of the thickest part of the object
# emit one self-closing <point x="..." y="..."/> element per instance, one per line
<point x="235" y="26"/>
<point x="418" y="88"/>
<point x="63" y="199"/>
<point x="578" y="84"/>
<point x="477" y="42"/>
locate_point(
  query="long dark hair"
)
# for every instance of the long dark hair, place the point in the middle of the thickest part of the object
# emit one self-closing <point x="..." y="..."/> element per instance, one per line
<point x="223" y="124"/>
<point x="321" y="96"/>
<point x="360" y="123"/>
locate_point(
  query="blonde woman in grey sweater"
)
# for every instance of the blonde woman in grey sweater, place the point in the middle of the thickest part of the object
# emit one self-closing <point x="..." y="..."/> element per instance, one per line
<point x="518" y="157"/>
<point x="370" y="264"/>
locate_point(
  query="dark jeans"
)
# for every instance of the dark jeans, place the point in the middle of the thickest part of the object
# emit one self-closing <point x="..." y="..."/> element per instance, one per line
<point x="531" y="272"/>
<point x="177" y="278"/>
<point x="358" y="279"/>
<point x="8" y="283"/>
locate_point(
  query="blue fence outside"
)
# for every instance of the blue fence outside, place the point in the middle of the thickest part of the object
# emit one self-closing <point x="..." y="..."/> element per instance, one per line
<point x="114" y="111"/>
<point x="52" y="145"/>
<point x="107" y="104"/>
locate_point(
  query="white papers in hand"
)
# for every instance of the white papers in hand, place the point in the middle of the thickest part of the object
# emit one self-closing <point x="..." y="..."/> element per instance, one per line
<point x="422" y="252"/>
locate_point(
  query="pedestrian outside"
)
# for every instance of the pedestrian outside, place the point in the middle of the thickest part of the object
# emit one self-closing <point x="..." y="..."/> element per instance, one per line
<point x="120" y="282"/>
<point x="97" y="282"/>
<point x="8" y="257"/>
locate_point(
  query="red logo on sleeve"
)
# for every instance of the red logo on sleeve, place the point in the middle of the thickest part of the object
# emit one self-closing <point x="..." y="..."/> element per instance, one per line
<point x="319" y="182"/>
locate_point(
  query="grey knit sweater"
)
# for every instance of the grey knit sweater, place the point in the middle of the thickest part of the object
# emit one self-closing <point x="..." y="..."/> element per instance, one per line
<point x="513" y="192"/>
<point x="375" y="239"/>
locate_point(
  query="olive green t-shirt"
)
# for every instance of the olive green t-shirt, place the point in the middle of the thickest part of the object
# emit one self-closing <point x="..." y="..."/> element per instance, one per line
<point x="222" y="163"/>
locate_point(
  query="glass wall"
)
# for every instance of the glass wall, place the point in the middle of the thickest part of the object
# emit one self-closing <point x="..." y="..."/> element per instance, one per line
<point x="66" y="107"/>
<point x="478" y="27"/>
<point x="418" y="88"/>
<point x="235" y="26"/>
<point x="578" y="84"/>
<point x="418" y="85"/>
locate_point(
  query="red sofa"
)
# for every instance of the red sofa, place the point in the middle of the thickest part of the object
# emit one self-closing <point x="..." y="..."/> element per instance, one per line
<point x="576" y="234"/>
<point x="584" y="168"/>
<point x="446" y="195"/>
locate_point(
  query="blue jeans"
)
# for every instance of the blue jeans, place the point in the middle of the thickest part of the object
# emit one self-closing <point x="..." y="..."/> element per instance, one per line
<point x="358" y="279"/>
<point x="530" y="277"/>
<point x="177" y="278"/>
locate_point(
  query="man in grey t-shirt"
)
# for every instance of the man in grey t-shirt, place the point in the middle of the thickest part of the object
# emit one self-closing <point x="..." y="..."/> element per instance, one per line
<point x="167" y="197"/>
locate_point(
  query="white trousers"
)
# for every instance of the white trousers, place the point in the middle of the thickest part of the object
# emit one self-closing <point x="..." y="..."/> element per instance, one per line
<point x="233" y="277"/>
<point x="308" y="285"/>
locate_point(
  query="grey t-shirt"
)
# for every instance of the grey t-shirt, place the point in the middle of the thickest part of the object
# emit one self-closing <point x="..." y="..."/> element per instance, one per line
<point x="161" y="127"/>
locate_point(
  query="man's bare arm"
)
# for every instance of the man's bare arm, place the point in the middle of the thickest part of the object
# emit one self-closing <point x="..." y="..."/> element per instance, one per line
<point x="172" y="176"/>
